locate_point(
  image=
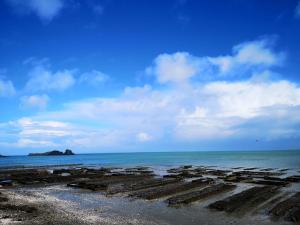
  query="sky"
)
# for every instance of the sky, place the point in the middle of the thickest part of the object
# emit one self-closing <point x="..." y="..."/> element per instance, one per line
<point x="140" y="75"/>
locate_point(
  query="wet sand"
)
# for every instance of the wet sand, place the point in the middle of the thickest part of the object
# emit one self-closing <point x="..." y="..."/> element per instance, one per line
<point x="121" y="196"/>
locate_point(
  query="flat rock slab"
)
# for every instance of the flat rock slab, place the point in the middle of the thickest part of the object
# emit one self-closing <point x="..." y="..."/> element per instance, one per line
<point x="158" y="192"/>
<point x="104" y="182"/>
<point x="245" y="200"/>
<point x="23" y="208"/>
<point x="200" y="194"/>
<point x="269" y="182"/>
<point x="288" y="209"/>
<point x="256" y="174"/>
<point x="140" y="184"/>
<point x="293" y="178"/>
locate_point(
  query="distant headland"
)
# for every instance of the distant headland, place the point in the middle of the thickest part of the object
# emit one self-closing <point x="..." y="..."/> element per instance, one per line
<point x="53" y="153"/>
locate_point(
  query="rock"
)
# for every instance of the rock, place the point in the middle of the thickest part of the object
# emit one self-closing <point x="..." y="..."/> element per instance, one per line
<point x="256" y="174"/>
<point x="251" y="168"/>
<point x="68" y="152"/>
<point x="3" y="198"/>
<point x="283" y="170"/>
<point x="53" y="153"/>
<point x="199" y="194"/>
<point x="294" y="178"/>
<point x="169" y="189"/>
<point x="60" y="171"/>
<point x="171" y="176"/>
<point x="245" y="200"/>
<point x="288" y="209"/>
<point x="267" y="169"/>
<point x="103" y="183"/>
<point x="187" y="167"/>
<point x="141" y="184"/>
<point x="23" y="208"/>
<point x="6" y="183"/>
<point x="269" y="182"/>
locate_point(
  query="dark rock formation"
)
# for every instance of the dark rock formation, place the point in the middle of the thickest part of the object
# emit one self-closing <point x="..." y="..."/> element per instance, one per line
<point x="288" y="209"/>
<point x="169" y="189"/>
<point x="105" y="182"/>
<point x="140" y="184"/>
<point x="53" y="153"/>
<point x="199" y="194"/>
<point x="177" y="188"/>
<point x="68" y="152"/>
<point x="245" y="200"/>
<point x="5" y="183"/>
<point x="23" y="208"/>
<point x="294" y="178"/>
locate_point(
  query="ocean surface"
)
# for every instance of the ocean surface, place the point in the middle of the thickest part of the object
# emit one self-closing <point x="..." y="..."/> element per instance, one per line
<point x="228" y="159"/>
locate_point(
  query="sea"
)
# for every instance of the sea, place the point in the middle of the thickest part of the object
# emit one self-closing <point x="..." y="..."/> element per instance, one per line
<point x="96" y="206"/>
<point x="289" y="159"/>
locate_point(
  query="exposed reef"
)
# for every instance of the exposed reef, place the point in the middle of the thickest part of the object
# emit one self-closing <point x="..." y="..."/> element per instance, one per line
<point x="263" y="190"/>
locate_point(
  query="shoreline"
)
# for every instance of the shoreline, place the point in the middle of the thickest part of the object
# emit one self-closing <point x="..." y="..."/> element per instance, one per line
<point x="181" y="151"/>
<point x="279" y="159"/>
<point x="182" y="195"/>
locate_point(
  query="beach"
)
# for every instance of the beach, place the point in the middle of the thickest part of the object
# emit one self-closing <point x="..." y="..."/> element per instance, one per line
<point x="140" y="112"/>
<point x="186" y="194"/>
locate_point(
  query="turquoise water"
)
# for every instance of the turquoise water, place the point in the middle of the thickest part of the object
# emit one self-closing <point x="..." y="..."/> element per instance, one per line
<point x="274" y="159"/>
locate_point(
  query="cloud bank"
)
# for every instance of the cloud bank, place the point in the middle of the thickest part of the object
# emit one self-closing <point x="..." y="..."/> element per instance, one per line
<point x="43" y="79"/>
<point x="226" y="97"/>
<point x="6" y="88"/>
<point x="35" y="101"/>
<point x="44" y="9"/>
<point x="246" y="59"/>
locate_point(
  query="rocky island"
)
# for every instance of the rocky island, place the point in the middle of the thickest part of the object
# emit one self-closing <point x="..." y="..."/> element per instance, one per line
<point x="53" y="153"/>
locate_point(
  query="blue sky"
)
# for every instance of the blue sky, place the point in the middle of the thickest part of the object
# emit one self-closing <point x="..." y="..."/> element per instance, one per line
<point x="116" y="75"/>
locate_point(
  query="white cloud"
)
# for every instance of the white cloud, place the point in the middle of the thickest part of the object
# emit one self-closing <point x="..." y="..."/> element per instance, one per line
<point x="35" y="101"/>
<point x="247" y="99"/>
<point x="248" y="57"/>
<point x="225" y="63"/>
<point x="225" y="107"/>
<point x="254" y="54"/>
<point x="27" y="132"/>
<point x="35" y="133"/>
<point x="178" y="67"/>
<point x="254" y="107"/>
<point x="23" y="142"/>
<point x="297" y="10"/>
<point x="213" y="111"/>
<point x="45" y="9"/>
<point x="143" y="137"/>
<point x="42" y="79"/>
<point x="199" y="124"/>
<point x="6" y="88"/>
<point x="31" y="128"/>
<point x="94" y="77"/>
